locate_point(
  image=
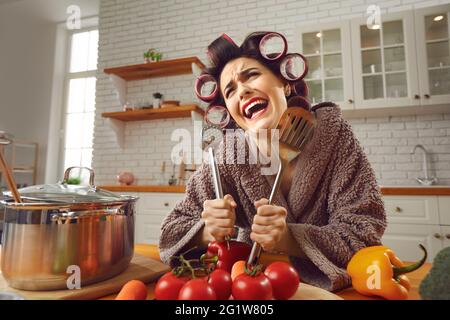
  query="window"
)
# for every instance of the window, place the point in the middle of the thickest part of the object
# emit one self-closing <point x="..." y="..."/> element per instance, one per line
<point x="80" y="102"/>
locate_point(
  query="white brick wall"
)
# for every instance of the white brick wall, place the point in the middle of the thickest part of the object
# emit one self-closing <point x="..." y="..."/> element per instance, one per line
<point x="180" y="28"/>
<point x="389" y="142"/>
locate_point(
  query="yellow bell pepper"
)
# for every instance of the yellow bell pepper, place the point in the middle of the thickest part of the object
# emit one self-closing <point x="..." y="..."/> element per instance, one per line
<point x="377" y="271"/>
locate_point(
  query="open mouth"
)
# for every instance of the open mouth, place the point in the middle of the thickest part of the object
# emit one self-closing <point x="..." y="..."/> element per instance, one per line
<point x="255" y="108"/>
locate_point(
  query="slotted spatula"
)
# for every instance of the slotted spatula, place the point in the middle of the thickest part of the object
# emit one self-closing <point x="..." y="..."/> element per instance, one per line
<point x="296" y="129"/>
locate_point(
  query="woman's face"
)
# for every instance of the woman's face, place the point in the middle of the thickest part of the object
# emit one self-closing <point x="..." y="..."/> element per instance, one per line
<point x="254" y="96"/>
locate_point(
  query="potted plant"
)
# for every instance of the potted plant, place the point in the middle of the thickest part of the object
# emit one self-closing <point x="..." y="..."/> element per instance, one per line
<point x="148" y="55"/>
<point x="157" y="100"/>
<point x="152" y="55"/>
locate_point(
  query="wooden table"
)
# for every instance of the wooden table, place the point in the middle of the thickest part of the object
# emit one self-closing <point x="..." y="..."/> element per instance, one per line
<point x="347" y="294"/>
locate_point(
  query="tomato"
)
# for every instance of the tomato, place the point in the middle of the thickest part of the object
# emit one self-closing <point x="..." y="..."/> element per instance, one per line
<point x="168" y="286"/>
<point x="246" y="287"/>
<point x="197" y="289"/>
<point x="283" y="278"/>
<point x="220" y="281"/>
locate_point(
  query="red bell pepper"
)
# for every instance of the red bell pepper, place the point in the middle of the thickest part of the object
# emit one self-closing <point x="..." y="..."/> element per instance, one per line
<point x="227" y="253"/>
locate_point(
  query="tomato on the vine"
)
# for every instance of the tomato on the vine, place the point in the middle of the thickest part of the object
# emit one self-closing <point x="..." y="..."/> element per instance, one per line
<point x="220" y="281"/>
<point x="248" y="287"/>
<point x="283" y="278"/>
<point x="197" y="289"/>
<point x="169" y="285"/>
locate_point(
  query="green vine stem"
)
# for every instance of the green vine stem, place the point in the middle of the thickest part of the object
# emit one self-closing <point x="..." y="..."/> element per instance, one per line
<point x="187" y="265"/>
<point x="253" y="271"/>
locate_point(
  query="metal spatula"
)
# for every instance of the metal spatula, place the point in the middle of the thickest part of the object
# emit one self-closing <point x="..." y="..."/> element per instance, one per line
<point x="296" y="129"/>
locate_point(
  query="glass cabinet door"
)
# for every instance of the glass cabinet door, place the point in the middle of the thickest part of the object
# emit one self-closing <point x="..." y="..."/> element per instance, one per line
<point x="433" y="51"/>
<point x="384" y="62"/>
<point x="329" y="75"/>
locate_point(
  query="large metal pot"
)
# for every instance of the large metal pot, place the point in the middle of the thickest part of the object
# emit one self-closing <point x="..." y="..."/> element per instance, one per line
<point x="61" y="231"/>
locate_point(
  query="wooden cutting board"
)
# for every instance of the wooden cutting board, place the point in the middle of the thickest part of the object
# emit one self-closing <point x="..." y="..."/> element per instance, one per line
<point x="308" y="292"/>
<point x="140" y="268"/>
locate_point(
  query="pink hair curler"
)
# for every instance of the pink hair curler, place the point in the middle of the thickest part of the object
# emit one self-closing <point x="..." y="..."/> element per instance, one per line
<point x="206" y="87"/>
<point x="294" y="67"/>
<point x="227" y="37"/>
<point x="273" y="46"/>
<point x="217" y="115"/>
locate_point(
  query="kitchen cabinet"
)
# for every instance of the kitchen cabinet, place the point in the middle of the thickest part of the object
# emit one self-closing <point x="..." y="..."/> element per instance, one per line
<point x="433" y="52"/>
<point x="367" y="67"/>
<point x="417" y="219"/>
<point x="444" y="210"/>
<point x="151" y="209"/>
<point x="412" y="210"/>
<point x="327" y="49"/>
<point x="446" y="234"/>
<point x="384" y="62"/>
<point x="404" y="240"/>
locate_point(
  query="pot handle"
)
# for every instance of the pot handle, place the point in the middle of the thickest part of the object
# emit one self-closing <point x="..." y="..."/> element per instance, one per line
<point x="91" y="174"/>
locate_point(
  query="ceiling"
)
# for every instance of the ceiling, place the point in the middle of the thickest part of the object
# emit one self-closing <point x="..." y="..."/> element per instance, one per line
<point x="51" y="10"/>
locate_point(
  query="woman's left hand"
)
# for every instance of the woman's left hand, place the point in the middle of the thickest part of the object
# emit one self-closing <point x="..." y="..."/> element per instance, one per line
<point x="269" y="224"/>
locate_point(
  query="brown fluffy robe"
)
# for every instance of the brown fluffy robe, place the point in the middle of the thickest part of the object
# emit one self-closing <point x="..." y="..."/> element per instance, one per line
<point x="334" y="204"/>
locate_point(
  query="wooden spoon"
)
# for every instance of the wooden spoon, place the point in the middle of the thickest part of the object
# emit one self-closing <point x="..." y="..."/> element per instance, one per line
<point x="7" y="172"/>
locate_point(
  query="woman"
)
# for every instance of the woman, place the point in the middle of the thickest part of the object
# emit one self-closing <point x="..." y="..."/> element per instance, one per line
<point x="329" y="206"/>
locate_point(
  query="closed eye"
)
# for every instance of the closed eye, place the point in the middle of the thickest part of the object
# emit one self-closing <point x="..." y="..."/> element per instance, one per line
<point x="252" y="74"/>
<point x="228" y="92"/>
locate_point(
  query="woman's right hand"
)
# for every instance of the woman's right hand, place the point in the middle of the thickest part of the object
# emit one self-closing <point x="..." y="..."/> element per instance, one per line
<point x="219" y="216"/>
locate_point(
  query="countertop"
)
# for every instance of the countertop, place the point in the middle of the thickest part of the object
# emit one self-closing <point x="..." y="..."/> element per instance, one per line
<point x="146" y="188"/>
<point x="416" y="190"/>
<point x="385" y="190"/>
<point x="347" y="294"/>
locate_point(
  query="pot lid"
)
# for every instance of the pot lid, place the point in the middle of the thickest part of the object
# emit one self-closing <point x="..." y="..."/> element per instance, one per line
<point x="68" y="193"/>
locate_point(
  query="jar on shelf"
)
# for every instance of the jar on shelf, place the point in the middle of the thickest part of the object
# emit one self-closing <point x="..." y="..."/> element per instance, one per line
<point x="157" y="100"/>
<point x="125" y="178"/>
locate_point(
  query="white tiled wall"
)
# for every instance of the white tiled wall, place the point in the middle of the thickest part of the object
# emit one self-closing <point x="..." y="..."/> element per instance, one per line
<point x="184" y="28"/>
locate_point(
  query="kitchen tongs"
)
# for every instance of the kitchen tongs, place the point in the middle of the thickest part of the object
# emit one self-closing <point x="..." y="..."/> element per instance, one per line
<point x="215" y="174"/>
<point x="217" y="182"/>
<point x="296" y="128"/>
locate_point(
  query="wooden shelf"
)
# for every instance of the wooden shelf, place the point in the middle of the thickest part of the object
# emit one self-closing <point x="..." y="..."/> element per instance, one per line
<point x="116" y="120"/>
<point x="119" y="77"/>
<point x="153" y="114"/>
<point x="147" y="188"/>
<point x="156" y="69"/>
